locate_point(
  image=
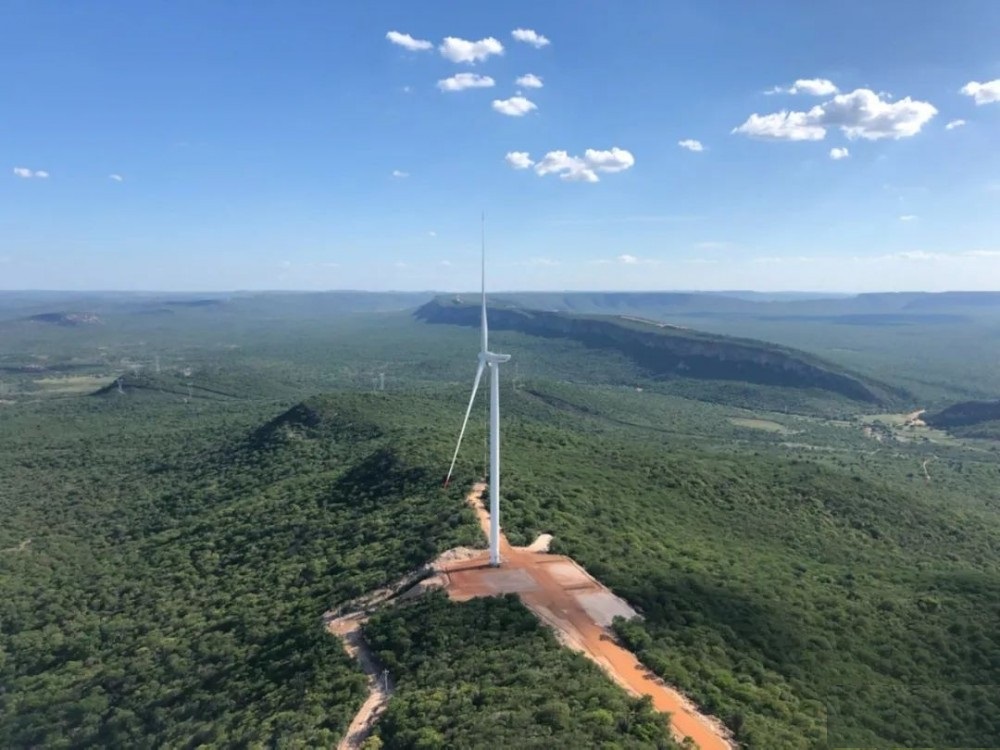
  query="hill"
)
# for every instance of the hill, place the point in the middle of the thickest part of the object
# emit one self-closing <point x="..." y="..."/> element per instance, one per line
<point x="974" y="419"/>
<point x="666" y="351"/>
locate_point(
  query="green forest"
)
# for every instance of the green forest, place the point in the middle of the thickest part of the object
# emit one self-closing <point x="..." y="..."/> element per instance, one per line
<point x="485" y="673"/>
<point x="812" y="571"/>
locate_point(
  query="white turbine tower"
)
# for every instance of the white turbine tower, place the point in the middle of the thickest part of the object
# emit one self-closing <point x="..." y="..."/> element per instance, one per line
<point x="493" y="361"/>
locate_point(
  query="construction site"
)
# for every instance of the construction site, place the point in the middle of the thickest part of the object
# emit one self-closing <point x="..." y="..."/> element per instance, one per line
<point x="563" y="596"/>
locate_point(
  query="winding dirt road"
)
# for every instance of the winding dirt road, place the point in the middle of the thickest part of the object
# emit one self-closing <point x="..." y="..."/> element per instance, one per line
<point x="380" y="685"/>
<point x="580" y="609"/>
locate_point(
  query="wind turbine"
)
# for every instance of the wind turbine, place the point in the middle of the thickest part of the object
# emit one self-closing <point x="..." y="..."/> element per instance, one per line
<point x="492" y="361"/>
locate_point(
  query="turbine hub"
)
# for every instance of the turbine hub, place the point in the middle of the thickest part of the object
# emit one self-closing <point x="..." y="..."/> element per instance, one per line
<point x="492" y="358"/>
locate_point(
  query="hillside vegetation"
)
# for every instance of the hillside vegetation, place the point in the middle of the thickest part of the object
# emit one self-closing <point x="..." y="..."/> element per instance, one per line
<point x="974" y="419"/>
<point x="167" y="550"/>
<point x="668" y="351"/>
<point x="485" y="673"/>
<point x="162" y="577"/>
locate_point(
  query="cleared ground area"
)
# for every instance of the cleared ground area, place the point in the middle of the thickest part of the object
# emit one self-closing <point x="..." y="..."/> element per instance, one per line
<point x="580" y="609"/>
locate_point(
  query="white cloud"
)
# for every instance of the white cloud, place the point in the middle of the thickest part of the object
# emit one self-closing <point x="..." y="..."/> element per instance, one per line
<point x="519" y="159"/>
<point x="863" y="114"/>
<point x="408" y="42"/>
<point x="859" y="114"/>
<point x="530" y="36"/>
<point x="907" y="217"/>
<point x="954" y="124"/>
<point x="913" y="255"/>
<point x="629" y="260"/>
<point x="463" y="51"/>
<point x="400" y="174"/>
<point x="615" y="160"/>
<point x="575" y="168"/>
<point x="529" y="81"/>
<point x="691" y="144"/>
<point x="432" y="233"/>
<point x="516" y="106"/>
<point x="983" y="93"/>
<point x="982" y="254"/>
<point x="782" y="126"/>
<point x="116" y="177"/>
<point x="569" y="168"/>
<point x="778" y="260"/>
<point x="461" y="81"/>
<point x="811" y="86"/>
<point x="839" y="153"/>
<point x="29" y="173"/>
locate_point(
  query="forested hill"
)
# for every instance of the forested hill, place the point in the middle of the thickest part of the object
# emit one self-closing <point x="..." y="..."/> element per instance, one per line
<point x="977" y="419"/>
<point x="671" y="351"/>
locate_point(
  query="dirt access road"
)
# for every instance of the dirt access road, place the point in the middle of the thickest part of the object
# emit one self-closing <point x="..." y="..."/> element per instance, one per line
<point x="580" y="609"/>
<point x="380" y="685"/>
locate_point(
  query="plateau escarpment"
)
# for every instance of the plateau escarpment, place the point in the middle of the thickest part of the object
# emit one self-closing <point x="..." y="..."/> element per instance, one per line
<point x="671" y="351"/>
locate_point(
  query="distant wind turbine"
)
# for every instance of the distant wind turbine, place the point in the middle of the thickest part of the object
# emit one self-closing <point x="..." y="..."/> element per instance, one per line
<point x="493" y="361"/>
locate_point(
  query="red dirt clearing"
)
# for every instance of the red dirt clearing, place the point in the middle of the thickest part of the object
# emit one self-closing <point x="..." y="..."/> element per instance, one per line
<point x="564" y="596"/>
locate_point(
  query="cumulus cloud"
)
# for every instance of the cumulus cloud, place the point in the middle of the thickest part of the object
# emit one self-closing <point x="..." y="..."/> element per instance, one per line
<point x="782" y="126"/>
<point x="691" y="144"/>
<point x="983" y="93"/>
<point x="28" y="174"/>
<point x="408" y="42"/>
<point x="811" y="86"/>
<point x="954" y="124"/>
<point x="516" y="106"/>
<point x="463" y="51"/>
<point x="462" y="81"/>
<point x="859" y="114"/>
<point x="116" y="178"/>
<point x="530" y="36"/>
<point x="629" y="260"/>
<point x="569" y="168"/>
<point x="400" y="174"/>
<point x="575" y="168"/>
<point x="864" y="114"/>
<point x="519" y="159"/>
<point x="529" y="81"/>
<point x="839" y="153"/>
<point x="907" y="217"/>
<point x="615" y="160"/>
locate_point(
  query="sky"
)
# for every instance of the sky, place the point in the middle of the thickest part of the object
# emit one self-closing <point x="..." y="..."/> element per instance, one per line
<point x="696" y="144"/>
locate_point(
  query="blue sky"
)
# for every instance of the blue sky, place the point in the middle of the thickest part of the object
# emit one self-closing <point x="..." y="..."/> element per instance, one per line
<point x="254" y="145"/>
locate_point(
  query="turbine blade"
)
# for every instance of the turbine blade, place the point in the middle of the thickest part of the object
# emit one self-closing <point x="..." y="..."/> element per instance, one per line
<point x="483" y="321"/>
<point x="465" y="422"/>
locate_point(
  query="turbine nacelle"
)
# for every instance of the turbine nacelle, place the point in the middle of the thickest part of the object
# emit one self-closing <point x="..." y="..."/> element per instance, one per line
<point x="491" y="358"/>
